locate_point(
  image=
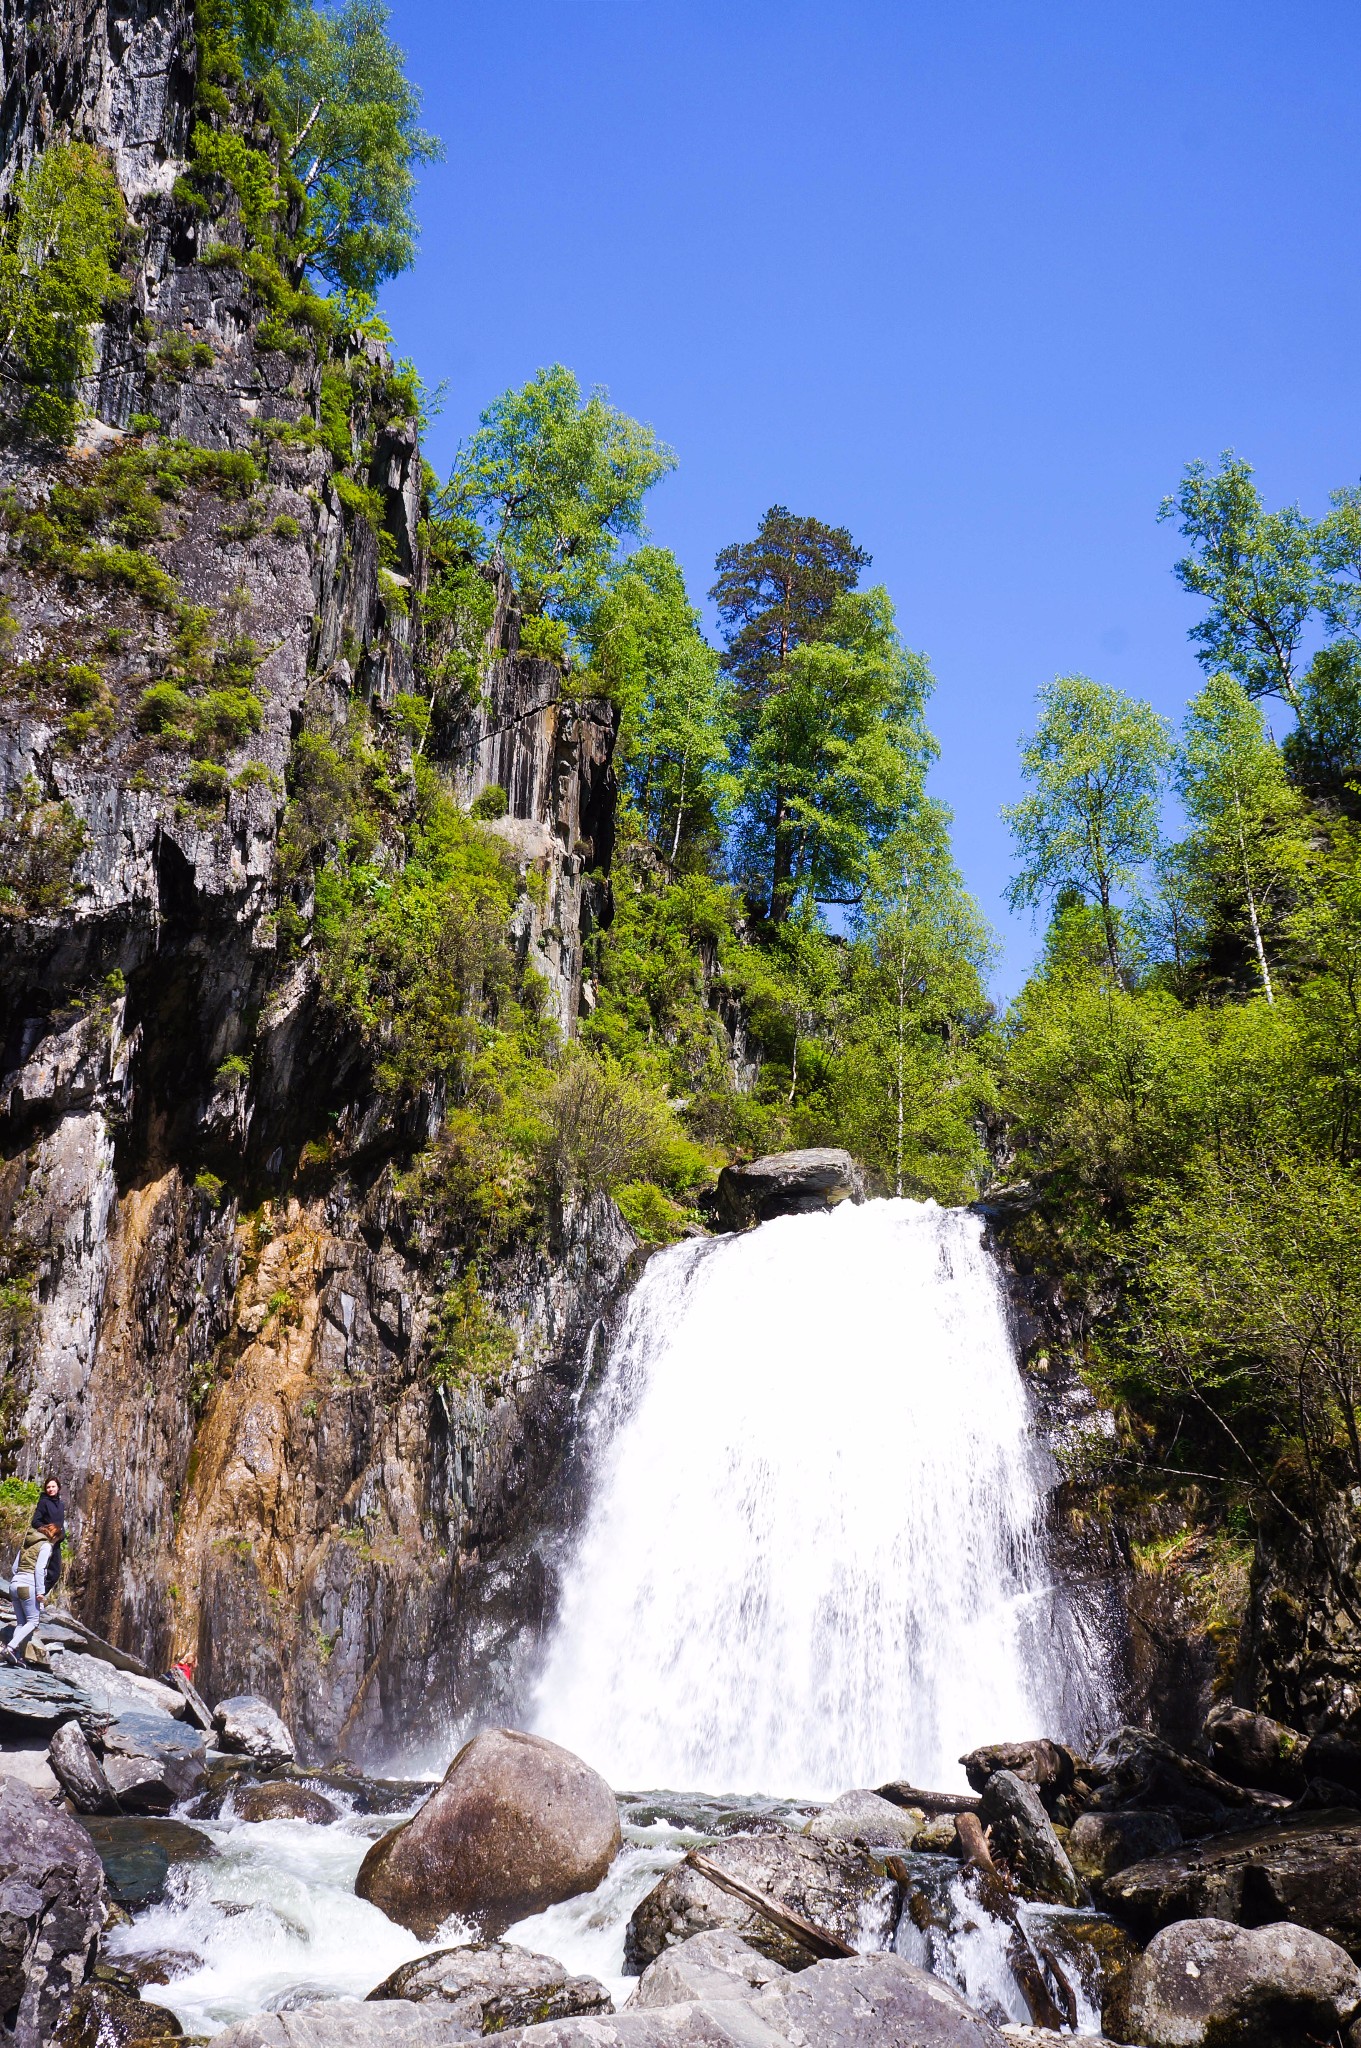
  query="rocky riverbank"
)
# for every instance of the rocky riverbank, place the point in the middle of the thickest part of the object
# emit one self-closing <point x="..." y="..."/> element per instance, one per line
<point x="1154" y="1896"/>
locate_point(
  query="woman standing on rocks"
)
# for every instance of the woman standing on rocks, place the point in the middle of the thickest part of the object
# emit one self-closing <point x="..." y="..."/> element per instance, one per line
<point x="28" y="1583"/>
<point x="52" y="1508"/>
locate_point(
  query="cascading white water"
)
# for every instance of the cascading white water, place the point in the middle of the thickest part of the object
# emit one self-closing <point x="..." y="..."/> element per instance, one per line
<point x="810" y="1559"/>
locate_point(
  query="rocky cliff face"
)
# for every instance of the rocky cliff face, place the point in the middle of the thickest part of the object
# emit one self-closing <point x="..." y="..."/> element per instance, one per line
<point x="214" y="1333"/>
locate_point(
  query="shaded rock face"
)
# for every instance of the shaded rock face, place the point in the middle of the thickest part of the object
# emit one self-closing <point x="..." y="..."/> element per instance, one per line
<point x="517" y="1825"/>
<point x="1022" y="1833"/>
<point x="1209" y="1984"/>
<point x="786" y="1184"/>
<point x="1099" y="1844"/>
<point x="1305" y="1872"/>
<point x="52" y="1903"/>
<point x="838" y="1888"/>
<point x="340" y="1539"/>
<point x="491" y="1986"/>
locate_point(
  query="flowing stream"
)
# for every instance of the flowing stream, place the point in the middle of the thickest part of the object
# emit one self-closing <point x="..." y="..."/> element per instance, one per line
<point x="811" y="1560"/>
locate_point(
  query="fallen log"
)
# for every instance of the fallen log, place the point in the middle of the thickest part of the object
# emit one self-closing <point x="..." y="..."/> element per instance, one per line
<point x="973" y="1842"/>
<point x="932" y="1804"/>
<point x="826" y="1947"/>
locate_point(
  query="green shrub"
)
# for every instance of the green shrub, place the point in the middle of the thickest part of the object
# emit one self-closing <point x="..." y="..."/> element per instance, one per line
<point x="650" y="1214"/>
<point x="224" y="718"/>
<point x="58" y="254"/>
<point x="207" y="783"/>
<point x="361" y="499"/>
<point x="233" y="1069"/>
<point x="286" y="527"/>
<point x="210" y="1187"/>
<point x="144" y="423"/>
<point x="468" y="1341"/>
<point x="491" y="802"/>
<point x="337" y="399"/>
<point x="165" y="710"/>
<point x="544" y="638"/>
<point x="40" y="843"/>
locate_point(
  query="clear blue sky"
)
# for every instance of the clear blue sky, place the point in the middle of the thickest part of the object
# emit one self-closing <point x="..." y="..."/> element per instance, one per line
<point x="972" y="279"/>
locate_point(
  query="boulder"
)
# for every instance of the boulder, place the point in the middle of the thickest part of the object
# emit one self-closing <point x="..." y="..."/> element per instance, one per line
<point x="837" y="1887"/>
<point x="517" y="1824"/>
<point x="104" y="2017"/>
<point x="34" y="1703"/>
<point x="1252" y="1749"/>
<point x="871" y="2001"/>
<point x="1335" y="1759"/>
<point x="30" y="1767"/>
<point x="1209" y="1984"/>
<point x="152" y="1762"/>
<point x="1042" y="1763"/>
<point x="1304" y="1871"/>
<point x="710" y="1967"/>
<point x="351" y="2023"/>
<point x="786" y="1184"/>
<point x="160" y="1966"/>
<point x="247" y="1726"/>
<point x="79" y="1772"/>
<point x="1021" y="1833"/>
<point x="111" y="1691"/>
<point x="492" y="1985"/>
<point x="937" y="1836"/>
<point x="52" y="1904"/>
<point x="865" y="1817"/>
<point x="284" y="1801"/>
<point x="1099" y="1844"/>
<point x="138" y="1855"/>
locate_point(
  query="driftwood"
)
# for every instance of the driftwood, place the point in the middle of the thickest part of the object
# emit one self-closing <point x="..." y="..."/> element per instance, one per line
<point x="973" y="1842"/>
<point x="827" y="1947"/>
<point x="932" y="1804"/>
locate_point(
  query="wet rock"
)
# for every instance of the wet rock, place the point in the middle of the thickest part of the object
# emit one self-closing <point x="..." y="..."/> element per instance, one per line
<point x="1084" y="1950"/>
<point x="160" y="1966"/>
<point x="34" y="1703"/>
<point x="1021" y="1832"/>
<point x="138" y="1855"/>
<point x="516" y="1825"/>
<point x="492" y="1985"/>
<point x="247" y="1726"/>
<point x="283" y="1801"/>
<point x="839" y="1888"/>
<point x="1252" y="1749"/>
<point x="1099" y="1844"/>
<point x="1041" y="1763"/>
<point x="1209" y="1984"/>
<point x="937" y="1836"/>
<point x="711" y="1967"/>
<point x="103" y="2017"/>
<point x="153" y="1762"/>
<point x="786" y="1184"/>
<point x="1138" y="1769"/>
<point x="1304" y="1871"/>
<point x="865" y="1817"/>
<point x="51" y="1913"/>
<point x="79" y="1771"/>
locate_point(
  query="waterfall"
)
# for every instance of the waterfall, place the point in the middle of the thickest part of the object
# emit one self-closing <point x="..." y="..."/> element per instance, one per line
<point x="811" y="1557"/>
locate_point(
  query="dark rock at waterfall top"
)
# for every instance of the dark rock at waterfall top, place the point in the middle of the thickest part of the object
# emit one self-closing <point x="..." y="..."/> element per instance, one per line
<point x="79" y="1772"/>
<point x="931" y="1804"/>
<point x="1134" y="1768"/>
<point x="1022" y="1834"/>
<point x="838" y="1888"/>
<point x="247" y="1726"/>
<point x="52" y="1901"/>
<point x="282" y="1801"/>
<point x="712" y="1967"/>
<point x="786" y="1184"/>
<point x="138" y="1855"/>
<point x="517" y="1825"/>
<point x="1209" y="1984"/>
<point x="866" y="1818"/>
<point x="153" y="1762"/>
<point x="493" y="1985"/>
<point x="1253" y="1750"/>
<point x="1099" y="1844"/>
<point x="101" y="2016"/>
<point x="1334" y="1759"/>
<point x="1303" y="1870"/>
<point x="1044" y="1764"/>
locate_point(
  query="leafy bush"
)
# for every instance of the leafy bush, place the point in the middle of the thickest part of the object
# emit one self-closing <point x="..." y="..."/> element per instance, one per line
<point x="224" y="718"/>
<point x="40" y="843"/>
<point x="166" y="711"/>
<point x="285" y="527"/>
<point x="491" y="802"/>
<point x="207" y="783"/>
<point x="468" y="1341"/>
<point x="58" y="254"/>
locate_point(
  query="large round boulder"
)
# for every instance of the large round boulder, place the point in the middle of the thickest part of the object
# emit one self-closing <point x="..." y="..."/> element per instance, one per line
<point x="282" y="1800"/>
<point x="518" y="1824"/>
<point x="247" y="1726"/>
<point x="492" y="1985"/>
<point x="1209" y="1984"/>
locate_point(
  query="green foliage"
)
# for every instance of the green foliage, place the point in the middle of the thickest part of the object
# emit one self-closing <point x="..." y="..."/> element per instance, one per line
<point x="59" y="250"/>
<point x="40" y="842"/>
<point x="554" y="484"/>
<point x="1096" y="766"/>
<point x="491" y="802"/>
<point x="285" y="527"/>
<point x="606" y="1125"/>
<point x="349" y="118"/>
<point x="778" y="592"/>
<point x="468" y="1341"/>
